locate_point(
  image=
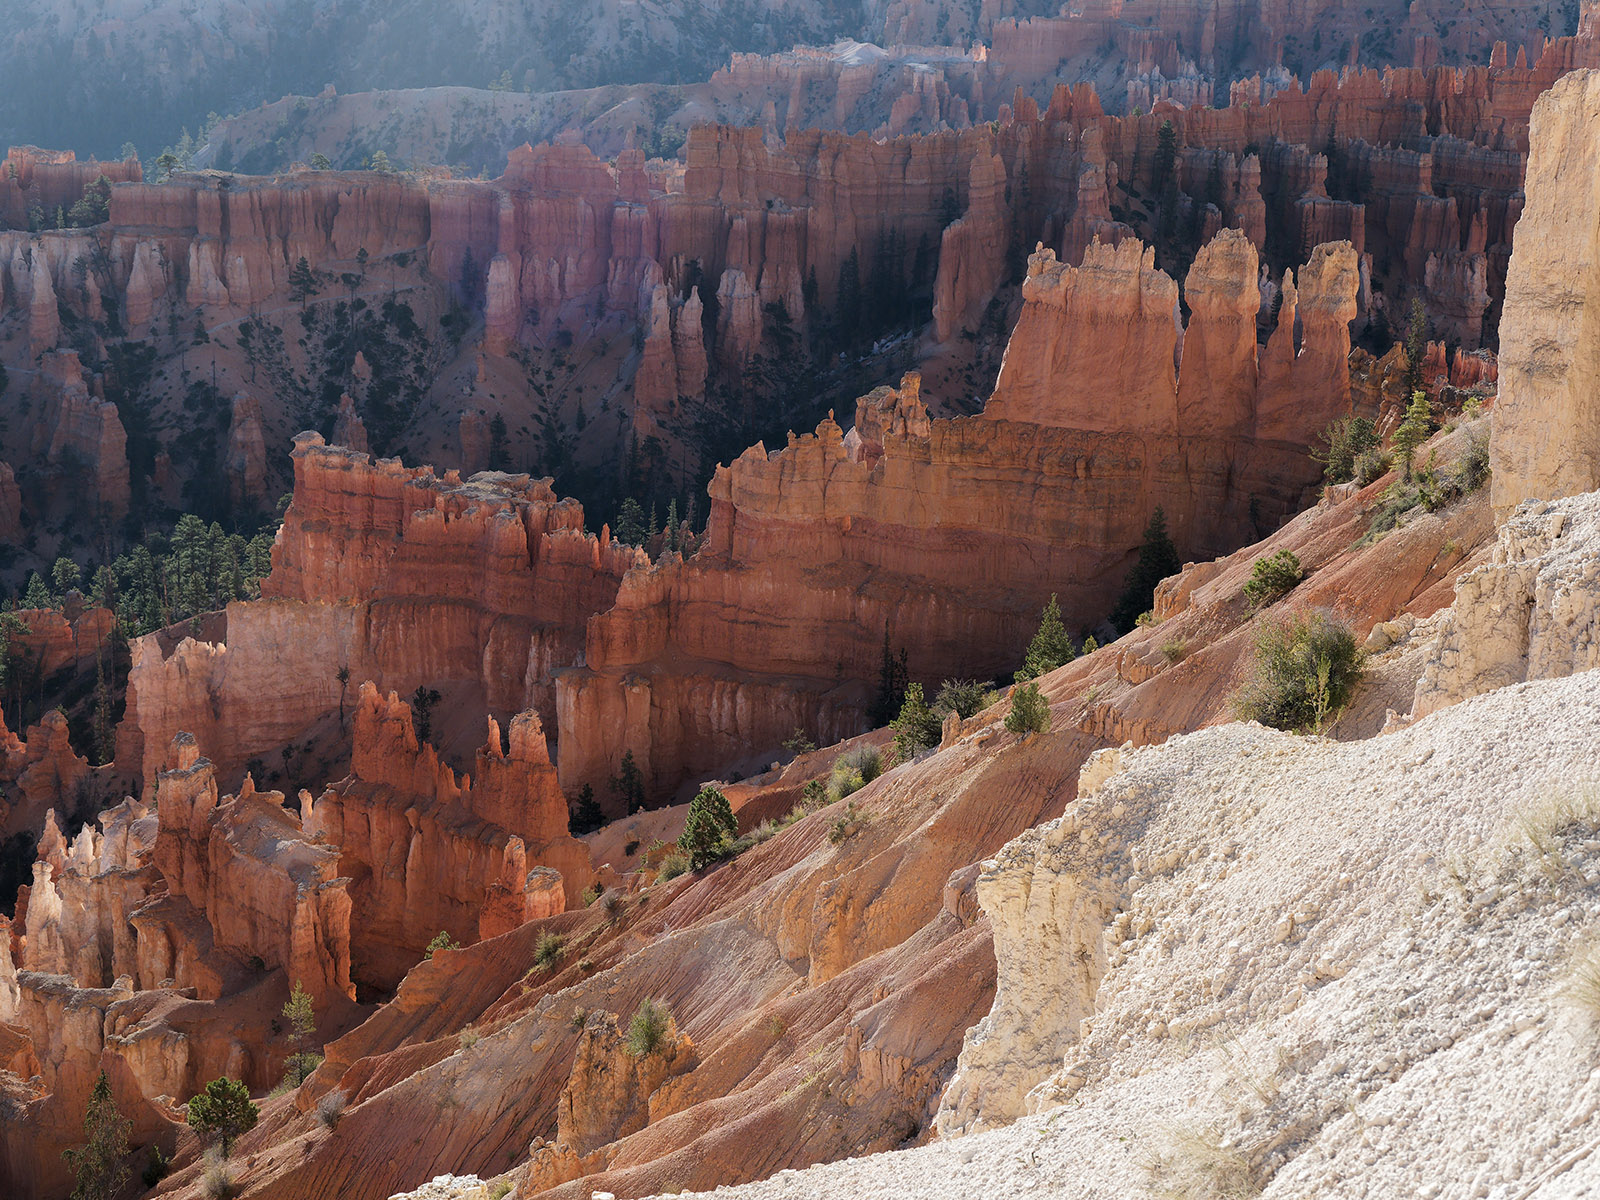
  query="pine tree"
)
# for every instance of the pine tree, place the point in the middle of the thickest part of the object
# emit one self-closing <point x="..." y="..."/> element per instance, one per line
<point x="1413" y="431"/>
<point x="628" y="784"/>
<point x="299" y="1012"/>
<point x="892" y="675"/>
<point x="302" y="281"/>
<point x="629" y="527"/>
<point x="1158" y="558"/>
<point x="320" y="162"/>
<point x="65" y="575"/>
<point x="709" y="824"/>
<point x="1051" y="646"/>
<point x="223" y="1112"/>
<point x="99" y="1166"/>
<point x="1416" y="346"/>
<point x="672" y="524"/>
<point x="586" y="814"/>
<point x="917" y="727"/>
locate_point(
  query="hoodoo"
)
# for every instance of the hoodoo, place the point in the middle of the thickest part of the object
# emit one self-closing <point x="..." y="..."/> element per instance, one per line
<point x="951" y="600"/>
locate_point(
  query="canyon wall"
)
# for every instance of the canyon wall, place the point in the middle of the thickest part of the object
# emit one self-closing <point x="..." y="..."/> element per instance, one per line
<point x="946" y="537"/>
<point x="1547" y="419"/>
<point x="396" y="575"/>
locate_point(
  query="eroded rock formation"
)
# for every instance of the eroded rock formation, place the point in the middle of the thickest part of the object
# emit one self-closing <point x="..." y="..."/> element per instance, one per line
<point x="397" y="575"/>
<point x="1547" y="435"/>
<point x="913" y="531"/>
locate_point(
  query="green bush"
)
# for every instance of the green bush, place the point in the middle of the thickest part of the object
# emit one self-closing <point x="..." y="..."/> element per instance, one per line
<point x="547" y="951"/>
<point x="847" y="824"/>
<point x="1372" y="465"/>
<point x="1272" y="577"/>
<point x="917" y="728"/>
<point x="441" y="941"/>
<point x="1307" y="668"/>
<point x="1472" y="468"/>
<point x="648" y="1027"/>
<point x="708" y="828"/>
<point x="1343" y="443"/>
<point x="964" y="697"/>
<point x="853" y="771"/>
<point x="1030" y="711"/>
<point x="671" y="866"/>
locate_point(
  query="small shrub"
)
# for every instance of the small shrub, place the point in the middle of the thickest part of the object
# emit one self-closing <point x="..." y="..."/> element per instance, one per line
<point x="814" y="793"/>
<point x="1581" y="991"/>
<point x="1030" y="711"/>
<point x="853" y="771"/>
<point x="1173" y="650"/>
<point x="330" y="1109"/>
<point x="648" y="1028"/>
<point x="499" y="1189"/>
<point x="156" y="1169"/>
<point x="580" y="1016"/>
<point x="590" y="894"/>
<point x="964" y="697"/>
<point x="299" y="1067"/>
<point x="1371" y="466"/>
<point x="846" y="825"/>
<point x="1307" y="668"/>
<point x="917" y="728"/>
<point x="1343" y="443"/>
<point x="631" y="847"/>
<point x="586" y="965"/>
<point x="613" y="905"/>
<point x="1273" y="577"/>
<point x="468" y="1038"/>
<point x="1472" y="468"/>
<point x="441" y="941"/>
<point x="798" y="743"/>
<point x="671" y="866"/>
<point x="217" y="1179"/>
<point x="547" y="951"/>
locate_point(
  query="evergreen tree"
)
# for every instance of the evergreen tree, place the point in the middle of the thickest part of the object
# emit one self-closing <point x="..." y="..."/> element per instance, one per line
<point x="166" y="165"/>
<point x="628" y="784"/>
<point x="847" y="310"/>
<point x="917" y="727"/>
<point x="320" y="162"/>
<point x="709" y="825"/>
<point x="99" y="1166"/>
<point x="65" y="575"/>
<point x="379" y="162"/>
<point x="302" y="281"/>
<point x="1416" y="346"/>
<point x="1161" y="168"/>
<point x="302" y="1018"/>
<point x="37" y="594"/>
<point x="1413" y="431"/>
<point x="672" y="524"/>
<point x="1158" y="558"/>
<point x="223" y="1112"/>
<point x="892" y="675"/>
<point x="1051" y="646"/>
<point x="586" y="814"/>
<point x="629" y="527"/>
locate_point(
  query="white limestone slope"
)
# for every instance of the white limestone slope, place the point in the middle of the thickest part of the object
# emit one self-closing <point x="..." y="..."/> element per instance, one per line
<point x="1252" y="963"/>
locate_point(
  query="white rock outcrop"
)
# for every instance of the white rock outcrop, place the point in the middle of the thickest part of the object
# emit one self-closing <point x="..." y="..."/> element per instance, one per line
<point x="1328" y="969"/>
<point x="1531" y="612"/>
